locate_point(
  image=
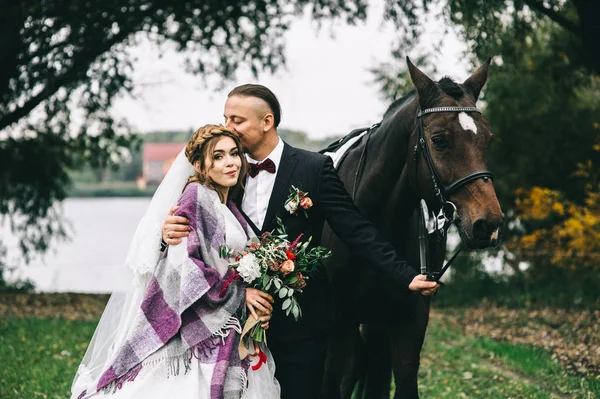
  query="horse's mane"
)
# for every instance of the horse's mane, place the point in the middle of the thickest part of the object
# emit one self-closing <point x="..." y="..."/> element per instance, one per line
<point x="446" y="84"/>
<point x="398" y="102"/>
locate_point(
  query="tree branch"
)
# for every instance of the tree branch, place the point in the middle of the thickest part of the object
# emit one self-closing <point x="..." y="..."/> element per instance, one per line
<point x="81" y="64"/>
<point x="538" y="6"/>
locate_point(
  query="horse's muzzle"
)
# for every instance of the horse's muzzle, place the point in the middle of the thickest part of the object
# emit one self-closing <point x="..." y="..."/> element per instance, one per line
<point x="487" y="232"/>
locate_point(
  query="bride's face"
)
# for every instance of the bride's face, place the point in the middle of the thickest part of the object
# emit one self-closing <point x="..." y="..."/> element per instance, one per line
<point x="224" y="163"/>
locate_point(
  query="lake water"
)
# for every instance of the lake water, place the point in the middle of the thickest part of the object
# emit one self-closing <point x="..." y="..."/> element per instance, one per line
<point x="92" y="261"/>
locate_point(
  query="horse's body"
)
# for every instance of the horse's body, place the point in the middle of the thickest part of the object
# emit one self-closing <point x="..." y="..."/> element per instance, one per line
<point x="392" y="180"/>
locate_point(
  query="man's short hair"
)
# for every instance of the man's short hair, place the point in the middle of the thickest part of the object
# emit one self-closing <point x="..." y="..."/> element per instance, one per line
<point x="260" y="91"/>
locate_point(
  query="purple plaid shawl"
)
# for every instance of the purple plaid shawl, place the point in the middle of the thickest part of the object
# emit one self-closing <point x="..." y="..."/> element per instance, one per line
<point x="183" y="308"/>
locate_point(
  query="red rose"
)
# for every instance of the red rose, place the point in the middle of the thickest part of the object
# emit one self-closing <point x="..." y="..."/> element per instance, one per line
<point x="290" y="255"/>
<point x="306" y="203"/>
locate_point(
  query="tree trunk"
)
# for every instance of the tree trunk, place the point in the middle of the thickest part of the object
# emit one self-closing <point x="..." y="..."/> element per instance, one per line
<point x="589" y="17"/>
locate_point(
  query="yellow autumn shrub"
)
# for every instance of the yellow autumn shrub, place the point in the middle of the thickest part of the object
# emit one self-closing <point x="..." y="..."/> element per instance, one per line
<point x="566" y="232"/>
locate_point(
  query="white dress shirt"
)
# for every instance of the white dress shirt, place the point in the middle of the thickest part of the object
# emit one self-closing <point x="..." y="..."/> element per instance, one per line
<point x="258" y="189"/>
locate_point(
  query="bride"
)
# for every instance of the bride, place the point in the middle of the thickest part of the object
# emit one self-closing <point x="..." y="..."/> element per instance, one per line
<point x="176" y="332"/>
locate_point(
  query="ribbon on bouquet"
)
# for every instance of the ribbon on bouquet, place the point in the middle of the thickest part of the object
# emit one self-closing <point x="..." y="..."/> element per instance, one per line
<point x="243" y="350"/>
<point x="262" y="358"/>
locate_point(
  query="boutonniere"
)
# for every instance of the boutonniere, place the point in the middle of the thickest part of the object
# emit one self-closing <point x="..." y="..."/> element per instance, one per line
<point x="297" y="201"/>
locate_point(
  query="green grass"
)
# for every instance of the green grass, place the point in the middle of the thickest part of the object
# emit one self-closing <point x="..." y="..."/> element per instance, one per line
<point x="39" y="357"/>
<point x="458" y="366"/>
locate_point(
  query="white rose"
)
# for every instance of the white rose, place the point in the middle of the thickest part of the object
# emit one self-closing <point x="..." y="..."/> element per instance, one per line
<point x="248" y="269"/>
<point x="292" y="207"/>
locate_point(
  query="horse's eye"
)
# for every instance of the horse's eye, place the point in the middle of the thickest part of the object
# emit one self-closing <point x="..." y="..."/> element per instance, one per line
<point x="439" y="142"/>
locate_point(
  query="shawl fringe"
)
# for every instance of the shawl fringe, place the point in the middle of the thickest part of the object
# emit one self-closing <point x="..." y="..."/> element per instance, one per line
<point x="176" y="364"/>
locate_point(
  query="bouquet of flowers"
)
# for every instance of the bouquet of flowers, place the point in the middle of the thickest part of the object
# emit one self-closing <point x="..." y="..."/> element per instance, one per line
<point x="277" y="266"/>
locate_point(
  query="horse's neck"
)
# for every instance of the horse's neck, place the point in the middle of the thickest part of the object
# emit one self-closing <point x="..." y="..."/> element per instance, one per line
<point x="397" y="210"/>
<point x="392" y="138"/>
<point x="384" y="187"/>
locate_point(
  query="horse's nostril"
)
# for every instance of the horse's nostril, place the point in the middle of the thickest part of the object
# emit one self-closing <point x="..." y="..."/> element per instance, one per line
<point x="482" y="229"/>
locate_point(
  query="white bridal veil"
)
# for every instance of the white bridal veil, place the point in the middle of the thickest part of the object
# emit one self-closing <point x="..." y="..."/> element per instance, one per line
<point x="141" y="260"/>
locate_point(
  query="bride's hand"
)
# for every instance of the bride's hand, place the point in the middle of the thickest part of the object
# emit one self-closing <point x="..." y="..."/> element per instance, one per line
<point x="265" y="320"/>
<point x="259" y="301"/>
<point x="175" y="228"/>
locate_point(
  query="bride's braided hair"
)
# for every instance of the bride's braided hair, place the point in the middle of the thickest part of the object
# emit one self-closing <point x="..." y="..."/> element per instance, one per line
<point x="201" y="147"/>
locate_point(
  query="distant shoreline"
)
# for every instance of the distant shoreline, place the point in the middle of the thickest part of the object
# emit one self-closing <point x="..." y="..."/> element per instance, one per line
<point x="110" y="189"/>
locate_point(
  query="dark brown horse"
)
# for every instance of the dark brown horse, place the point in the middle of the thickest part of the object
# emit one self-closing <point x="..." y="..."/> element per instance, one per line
<point x="379" y="328"/>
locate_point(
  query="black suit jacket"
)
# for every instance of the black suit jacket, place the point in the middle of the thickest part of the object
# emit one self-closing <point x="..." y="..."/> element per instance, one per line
<point x="314" y="173"/>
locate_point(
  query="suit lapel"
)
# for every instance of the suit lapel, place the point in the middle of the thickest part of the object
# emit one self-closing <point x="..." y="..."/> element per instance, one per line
<point x="281" y="188"/>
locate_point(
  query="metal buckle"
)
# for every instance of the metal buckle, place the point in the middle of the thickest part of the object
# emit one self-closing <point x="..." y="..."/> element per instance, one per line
<point x="450" y="212"/>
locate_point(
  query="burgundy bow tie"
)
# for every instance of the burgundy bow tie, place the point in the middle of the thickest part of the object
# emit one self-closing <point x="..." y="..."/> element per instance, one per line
<point x="267" y="165"/>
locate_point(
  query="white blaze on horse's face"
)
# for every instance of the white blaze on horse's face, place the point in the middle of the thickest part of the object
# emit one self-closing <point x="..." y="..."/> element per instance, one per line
<point x="467" y="122"/>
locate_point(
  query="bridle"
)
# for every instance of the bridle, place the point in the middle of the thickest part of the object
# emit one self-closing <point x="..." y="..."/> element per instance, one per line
<point x="442" y="191"/>
<point x="448" y="213"/>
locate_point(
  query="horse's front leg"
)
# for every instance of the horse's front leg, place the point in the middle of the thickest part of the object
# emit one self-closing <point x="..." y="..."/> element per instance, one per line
<point x="356" y="367"/>
<point x="340" y="361"/>
<point x="406" y="340"/>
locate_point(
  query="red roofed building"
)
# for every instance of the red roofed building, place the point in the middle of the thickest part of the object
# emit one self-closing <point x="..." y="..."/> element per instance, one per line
<point x="158" y="158"/>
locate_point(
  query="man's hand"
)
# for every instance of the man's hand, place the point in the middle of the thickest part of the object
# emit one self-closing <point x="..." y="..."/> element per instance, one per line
<point x="260" y="301"/>
<point x="175" y="228"/>
<point x="420" y="283"/>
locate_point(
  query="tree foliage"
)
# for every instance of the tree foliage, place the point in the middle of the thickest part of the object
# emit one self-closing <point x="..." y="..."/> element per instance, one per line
<point x="568" y="232"/>
<point x="542" y="100"/>
<point x="486" y="24"/>
<point x="57" y="56"/>
<point x="543" y="106"/>
<point x="566" y="229"/>
<point x="544" y="113"/>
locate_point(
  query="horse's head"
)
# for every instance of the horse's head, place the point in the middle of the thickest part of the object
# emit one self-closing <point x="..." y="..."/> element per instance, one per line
<point x="457" y="144"/>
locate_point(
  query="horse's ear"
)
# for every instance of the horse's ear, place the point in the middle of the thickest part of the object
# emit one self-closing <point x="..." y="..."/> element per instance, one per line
<point x="426" y="88"/>
<point x="476" y="81"/>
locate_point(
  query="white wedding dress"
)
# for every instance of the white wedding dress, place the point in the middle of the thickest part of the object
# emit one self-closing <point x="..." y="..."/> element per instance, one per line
<point x="154" y="381"/>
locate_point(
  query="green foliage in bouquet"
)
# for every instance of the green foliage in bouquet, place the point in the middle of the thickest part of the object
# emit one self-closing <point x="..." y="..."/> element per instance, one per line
<point x="273" y="264"/>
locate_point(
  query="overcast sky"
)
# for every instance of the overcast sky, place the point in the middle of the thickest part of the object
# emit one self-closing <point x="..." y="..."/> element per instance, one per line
<point x="326" y="89"/>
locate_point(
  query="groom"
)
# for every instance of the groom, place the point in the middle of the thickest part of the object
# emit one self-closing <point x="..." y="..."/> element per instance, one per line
<point x="299" y="348"/>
